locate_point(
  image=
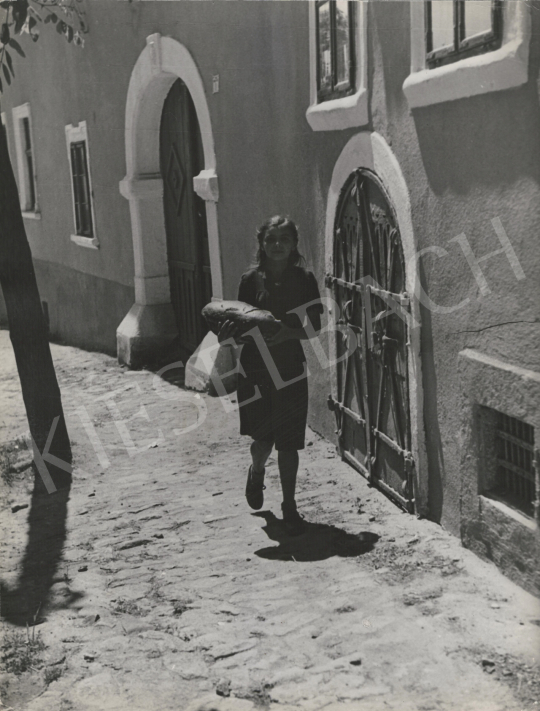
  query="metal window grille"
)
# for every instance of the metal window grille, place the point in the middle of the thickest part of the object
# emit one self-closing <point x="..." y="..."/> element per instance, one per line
<point x="462" y="45"/>
<point x="518" y="467"/>
<point x="81" y="189"/>
<point x="336" y="74"/>
<point x="31" y="201"/>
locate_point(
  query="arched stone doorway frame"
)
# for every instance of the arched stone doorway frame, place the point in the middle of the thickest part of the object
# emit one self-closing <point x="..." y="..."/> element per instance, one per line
<point x="370" y="151"/>
<point x="150" y="325"/>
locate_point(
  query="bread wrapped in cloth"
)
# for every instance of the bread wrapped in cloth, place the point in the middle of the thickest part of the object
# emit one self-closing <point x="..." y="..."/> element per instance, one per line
<point x="244" y="316"/>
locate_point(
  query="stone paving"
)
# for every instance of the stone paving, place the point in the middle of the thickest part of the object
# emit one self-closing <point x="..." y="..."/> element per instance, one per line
<point x="172" y="594"/>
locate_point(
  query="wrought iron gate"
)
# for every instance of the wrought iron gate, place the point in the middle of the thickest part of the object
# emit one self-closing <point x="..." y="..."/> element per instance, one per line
<point x="181" y="157"/>
<point x="372" y="402"/>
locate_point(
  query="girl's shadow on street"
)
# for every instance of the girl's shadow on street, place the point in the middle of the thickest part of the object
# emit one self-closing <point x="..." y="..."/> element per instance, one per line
<point x="318" y="541"/>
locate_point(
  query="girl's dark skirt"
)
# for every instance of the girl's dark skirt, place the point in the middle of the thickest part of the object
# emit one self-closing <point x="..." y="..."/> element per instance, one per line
<point x="278" y="415"/>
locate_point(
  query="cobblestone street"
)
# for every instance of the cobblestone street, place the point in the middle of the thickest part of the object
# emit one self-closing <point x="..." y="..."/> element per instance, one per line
<point x="171" y="594"/>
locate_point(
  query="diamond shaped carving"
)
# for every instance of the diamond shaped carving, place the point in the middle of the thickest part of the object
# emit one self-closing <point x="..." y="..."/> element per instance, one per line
<point x="176" y="179"/>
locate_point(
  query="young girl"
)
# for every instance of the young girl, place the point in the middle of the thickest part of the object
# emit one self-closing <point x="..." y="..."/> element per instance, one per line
<point x="278" y="417"/>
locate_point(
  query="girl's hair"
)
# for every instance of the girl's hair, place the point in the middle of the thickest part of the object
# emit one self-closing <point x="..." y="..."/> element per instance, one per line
<point x="295" y="258"/>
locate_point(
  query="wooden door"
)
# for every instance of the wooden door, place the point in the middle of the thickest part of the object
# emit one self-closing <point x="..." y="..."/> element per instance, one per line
<point x="181" y="158"/>
<point x="372" y="403"/>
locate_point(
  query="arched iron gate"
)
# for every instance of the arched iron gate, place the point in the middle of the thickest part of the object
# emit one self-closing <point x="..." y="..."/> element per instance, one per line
<point x="372" y="403"/>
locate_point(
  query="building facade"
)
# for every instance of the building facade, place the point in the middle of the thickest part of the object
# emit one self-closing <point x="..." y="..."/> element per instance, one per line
<point x="402" y="137"/>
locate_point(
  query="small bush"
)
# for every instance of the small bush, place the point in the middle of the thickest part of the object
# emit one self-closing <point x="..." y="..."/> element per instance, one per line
<point x="128" y="607"/>
<point x="21" y="651"/>
<point x="9" y="453"/>
<point x="53" y="673"/>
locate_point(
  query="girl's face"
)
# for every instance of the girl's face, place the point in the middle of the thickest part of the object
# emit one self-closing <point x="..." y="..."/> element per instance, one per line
<point x="278" y="243"/>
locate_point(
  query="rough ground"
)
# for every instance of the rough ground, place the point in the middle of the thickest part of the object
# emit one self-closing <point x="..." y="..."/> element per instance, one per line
<point x="170" y="594"/>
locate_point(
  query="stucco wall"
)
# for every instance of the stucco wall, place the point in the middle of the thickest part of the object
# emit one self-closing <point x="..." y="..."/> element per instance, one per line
<point x="261" y="136"/>
<point x="465" y="163"/>
<point x="85" y="307"/>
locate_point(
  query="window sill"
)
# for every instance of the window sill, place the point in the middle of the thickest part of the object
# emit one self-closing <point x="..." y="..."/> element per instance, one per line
<point x="492" y="501"/>
<point x="338" y="114"/>
<point x="31" y="215"/>
<point x="89" y="242"/>
<point x="504" y="68"/>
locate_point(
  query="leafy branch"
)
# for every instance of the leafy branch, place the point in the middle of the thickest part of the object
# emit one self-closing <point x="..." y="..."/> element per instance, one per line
<point x="23" y="17"/>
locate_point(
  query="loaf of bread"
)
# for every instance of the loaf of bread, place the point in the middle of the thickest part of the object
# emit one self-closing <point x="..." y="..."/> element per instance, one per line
<point x="244" y="316"/>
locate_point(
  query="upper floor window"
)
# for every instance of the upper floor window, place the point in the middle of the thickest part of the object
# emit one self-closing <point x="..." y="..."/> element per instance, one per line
<point x="456" y="29"/>
<point x="335" y="49"/>
<point x="26" y="164"/>
<point x="338" y="66"/>
<point x="463" y="49"/>
<point x="81" y="185"/>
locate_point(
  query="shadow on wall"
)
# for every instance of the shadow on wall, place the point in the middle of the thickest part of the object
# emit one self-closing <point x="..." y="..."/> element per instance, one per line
<point x="492" y="139"/>
<point x="390" y="40"/>
<point x="3" y="312"/>
<point x="431" y="417"/>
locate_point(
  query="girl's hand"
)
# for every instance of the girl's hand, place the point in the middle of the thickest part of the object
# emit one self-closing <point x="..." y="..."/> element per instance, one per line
<point x="227" y="330"/>
<point x="285" y="333"/>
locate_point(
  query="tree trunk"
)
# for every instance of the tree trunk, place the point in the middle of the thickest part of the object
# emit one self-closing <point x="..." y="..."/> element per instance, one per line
<point x="29" y="333"/>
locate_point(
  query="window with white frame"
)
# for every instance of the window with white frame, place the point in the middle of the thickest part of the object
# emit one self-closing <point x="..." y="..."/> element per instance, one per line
<point x="336" y="60"/>
<point x="466" y="48"/>
<point x="338" y="65"/>
<point x="81" y="186"/>
<point x="456" y="29"/>
<point x="26" y="164"/>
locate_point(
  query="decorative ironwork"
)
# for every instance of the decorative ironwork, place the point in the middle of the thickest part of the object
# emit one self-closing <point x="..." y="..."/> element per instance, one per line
<point x="372" y="405"/>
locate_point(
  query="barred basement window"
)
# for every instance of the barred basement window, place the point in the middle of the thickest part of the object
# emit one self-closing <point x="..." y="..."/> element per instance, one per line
<point x="336" y="64"/>
<point x="456" y="29"/>
<point x="517" y="475"/>
<point x="81" y="189"/>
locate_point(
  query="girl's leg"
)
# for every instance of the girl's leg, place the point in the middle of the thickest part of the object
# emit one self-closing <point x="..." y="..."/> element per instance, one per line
<point x="288" y="468"/>
<point x="260" y="451"/>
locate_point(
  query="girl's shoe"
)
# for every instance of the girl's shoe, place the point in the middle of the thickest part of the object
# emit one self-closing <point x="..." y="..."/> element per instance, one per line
<point x="294" y="522"/>
<point x="254" y="490"/>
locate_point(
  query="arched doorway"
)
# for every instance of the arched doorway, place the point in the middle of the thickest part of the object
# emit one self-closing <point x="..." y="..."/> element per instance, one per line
<point x="372" y="400"/>
<point x="151" y="324"/>
<point x="188" y="255"/>
<point x="368" y="174"/>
